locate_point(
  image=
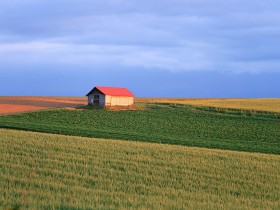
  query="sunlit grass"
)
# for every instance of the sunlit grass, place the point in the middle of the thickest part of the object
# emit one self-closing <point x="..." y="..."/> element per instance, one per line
<point x="44" y="171"/>
<point x="259" y="104"/>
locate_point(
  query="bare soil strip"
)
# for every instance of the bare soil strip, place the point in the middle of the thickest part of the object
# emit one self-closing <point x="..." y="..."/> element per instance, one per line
<point x="12" y="108"/>
<point x="17" y="104"/>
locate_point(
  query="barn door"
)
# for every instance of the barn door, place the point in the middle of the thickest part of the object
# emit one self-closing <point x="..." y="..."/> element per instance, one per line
<point x="96" y="100"/>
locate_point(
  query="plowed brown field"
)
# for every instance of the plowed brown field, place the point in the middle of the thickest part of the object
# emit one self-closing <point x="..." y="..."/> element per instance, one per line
<point x="16" y="104"/>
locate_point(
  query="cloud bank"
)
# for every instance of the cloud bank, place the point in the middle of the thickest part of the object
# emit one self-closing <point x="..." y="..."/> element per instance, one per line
<point x="176" y="36"/>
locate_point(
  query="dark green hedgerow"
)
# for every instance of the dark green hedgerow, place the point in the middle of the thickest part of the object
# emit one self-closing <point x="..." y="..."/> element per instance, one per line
<point x="162" y="123"/>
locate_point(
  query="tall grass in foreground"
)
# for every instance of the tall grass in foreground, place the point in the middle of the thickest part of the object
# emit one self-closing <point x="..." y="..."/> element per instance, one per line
<point x="47" y="171"/>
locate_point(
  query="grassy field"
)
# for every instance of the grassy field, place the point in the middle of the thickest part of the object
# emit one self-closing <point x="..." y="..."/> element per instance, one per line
<point x="258" y="104"/>
<point x="47" y="171"/>
<point x="161" y="123"/>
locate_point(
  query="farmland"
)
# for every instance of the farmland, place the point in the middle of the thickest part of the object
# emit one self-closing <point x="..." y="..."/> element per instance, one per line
<point x="48" y="171"/>
<point x="257" y="104"/>
<point x="16" y="104"/>
<point x="160" y="123"/>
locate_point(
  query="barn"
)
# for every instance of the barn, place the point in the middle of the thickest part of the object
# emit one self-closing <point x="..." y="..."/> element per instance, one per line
<point x="110" y="96"/>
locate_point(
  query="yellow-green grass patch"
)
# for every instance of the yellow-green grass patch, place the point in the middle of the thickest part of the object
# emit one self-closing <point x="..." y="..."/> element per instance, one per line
<point x="258" y="104"/>
<point x="44" y="171"/>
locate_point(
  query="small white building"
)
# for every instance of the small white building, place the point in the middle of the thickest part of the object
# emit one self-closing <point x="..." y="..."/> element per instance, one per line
<point x="110" y="96"/>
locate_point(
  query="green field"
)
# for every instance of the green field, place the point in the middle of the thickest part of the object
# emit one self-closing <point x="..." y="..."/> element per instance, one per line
<point x="48" y="171"/>
<point x="161" y="123"/>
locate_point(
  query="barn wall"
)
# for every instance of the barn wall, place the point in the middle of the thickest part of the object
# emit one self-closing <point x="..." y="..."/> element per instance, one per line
<point x="101" y="98"/>
<point x="118" y="100"/>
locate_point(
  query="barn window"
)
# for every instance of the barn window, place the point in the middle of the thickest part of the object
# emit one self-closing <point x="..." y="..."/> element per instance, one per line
<point x="96" y="96"/>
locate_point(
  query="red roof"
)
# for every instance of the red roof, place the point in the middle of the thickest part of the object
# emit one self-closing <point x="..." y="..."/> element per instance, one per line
<point x="113" y="91"/>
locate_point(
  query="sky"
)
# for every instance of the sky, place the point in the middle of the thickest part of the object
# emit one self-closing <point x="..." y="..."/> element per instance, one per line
<point x="159" y="48"/>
